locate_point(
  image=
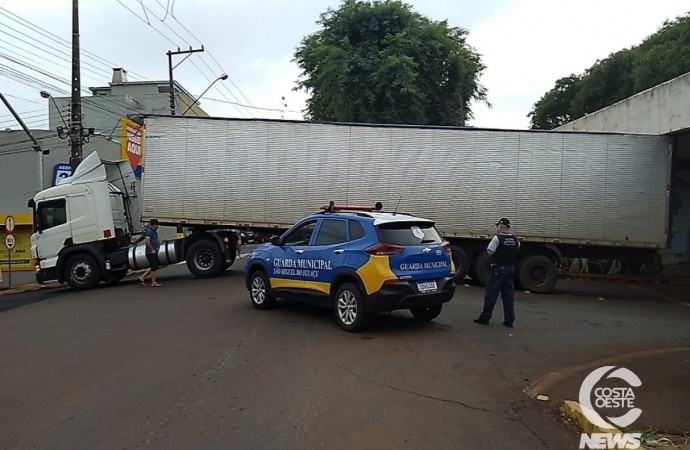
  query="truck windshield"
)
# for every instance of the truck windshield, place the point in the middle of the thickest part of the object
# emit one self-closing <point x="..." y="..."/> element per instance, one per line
<point x="408" y="233"/>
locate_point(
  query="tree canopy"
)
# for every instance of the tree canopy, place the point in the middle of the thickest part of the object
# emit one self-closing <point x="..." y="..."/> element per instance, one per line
<point x="659" y="58"/>
<point x="382" y="62"/>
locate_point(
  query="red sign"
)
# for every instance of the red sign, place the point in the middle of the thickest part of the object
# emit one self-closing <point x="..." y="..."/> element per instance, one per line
<point x="132" y="141"/>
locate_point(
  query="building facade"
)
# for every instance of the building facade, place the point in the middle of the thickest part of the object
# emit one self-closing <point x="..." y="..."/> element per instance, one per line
<point x="116" y="137"/>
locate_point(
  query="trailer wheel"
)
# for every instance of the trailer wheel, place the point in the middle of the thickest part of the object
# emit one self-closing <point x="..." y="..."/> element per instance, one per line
<point x="461" y="262"/>
<point x="481" y="268"/>
<point x="82" y="272"/>
<point x="204" y="259"/>
<point x="537" y="274"/>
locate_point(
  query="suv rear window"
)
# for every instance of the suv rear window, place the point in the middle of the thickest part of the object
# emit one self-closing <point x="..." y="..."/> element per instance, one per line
<point x="403" y="233"/>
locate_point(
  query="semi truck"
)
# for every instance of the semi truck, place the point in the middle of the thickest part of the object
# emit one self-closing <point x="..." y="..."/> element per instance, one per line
<point x="568" y="194"/>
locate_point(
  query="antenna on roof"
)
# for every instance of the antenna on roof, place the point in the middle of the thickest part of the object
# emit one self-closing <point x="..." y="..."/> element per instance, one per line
<point x="396" y="206"/>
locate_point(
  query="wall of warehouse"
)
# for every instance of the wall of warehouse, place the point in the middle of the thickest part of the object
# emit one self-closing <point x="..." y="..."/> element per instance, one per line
<point x="659" y="110"/>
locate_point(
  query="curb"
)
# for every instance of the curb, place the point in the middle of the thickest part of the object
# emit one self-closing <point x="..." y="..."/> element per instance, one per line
<point x="35" y="286"/>
<point x="574" y="412"/>
<point x="28" y="288"/>
<point x="53" y="285"/>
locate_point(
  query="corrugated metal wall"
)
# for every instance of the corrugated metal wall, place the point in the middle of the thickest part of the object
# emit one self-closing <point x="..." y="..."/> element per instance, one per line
<point x="575" y="187"/>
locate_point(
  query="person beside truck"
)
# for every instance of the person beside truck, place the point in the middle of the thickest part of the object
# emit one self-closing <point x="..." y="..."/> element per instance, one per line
<point x="152" y="248"/>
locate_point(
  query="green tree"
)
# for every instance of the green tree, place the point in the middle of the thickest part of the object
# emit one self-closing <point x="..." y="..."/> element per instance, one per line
<point x="382" y="62"/>
<point x="659" y="58"/>
<point x="554" y="108"/>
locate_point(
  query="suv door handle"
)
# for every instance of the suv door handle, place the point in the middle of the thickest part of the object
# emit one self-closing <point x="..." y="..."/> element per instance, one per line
<point x="300" y="251"/>
<point x="339" y="251"/>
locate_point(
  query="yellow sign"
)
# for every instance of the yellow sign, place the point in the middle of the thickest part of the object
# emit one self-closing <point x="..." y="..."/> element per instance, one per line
<point x="132" y="144"/>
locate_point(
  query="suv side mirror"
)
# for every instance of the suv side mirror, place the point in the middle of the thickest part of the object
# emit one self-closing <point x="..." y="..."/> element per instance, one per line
<point x="275" y="240"/>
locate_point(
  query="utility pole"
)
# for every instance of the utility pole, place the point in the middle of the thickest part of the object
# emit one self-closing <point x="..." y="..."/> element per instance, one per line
<point x="76" y="119"/>
<point x="170" y="71"/>
<point x="37" y="147"/>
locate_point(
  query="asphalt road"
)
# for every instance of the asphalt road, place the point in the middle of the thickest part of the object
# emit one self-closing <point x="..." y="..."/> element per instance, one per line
<point x="192" y="364"/>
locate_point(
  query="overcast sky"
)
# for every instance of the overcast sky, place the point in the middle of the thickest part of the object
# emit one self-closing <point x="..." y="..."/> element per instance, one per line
<point x="526" y="45"/>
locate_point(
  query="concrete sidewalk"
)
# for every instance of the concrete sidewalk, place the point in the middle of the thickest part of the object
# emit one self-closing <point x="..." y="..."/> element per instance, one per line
<point x="663" y="397"/>
<point x="23" y="281"/>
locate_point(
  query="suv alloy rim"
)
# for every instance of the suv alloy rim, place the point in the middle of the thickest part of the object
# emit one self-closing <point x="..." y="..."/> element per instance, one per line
<point x="347" y="307"/>
<point x="258" y="290"/>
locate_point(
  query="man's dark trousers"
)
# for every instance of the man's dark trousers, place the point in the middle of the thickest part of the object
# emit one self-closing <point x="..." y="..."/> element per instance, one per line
<point x="501" y="281"/>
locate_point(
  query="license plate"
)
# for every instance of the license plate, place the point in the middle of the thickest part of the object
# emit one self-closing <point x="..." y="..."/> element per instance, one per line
<point x="427" y="286"/>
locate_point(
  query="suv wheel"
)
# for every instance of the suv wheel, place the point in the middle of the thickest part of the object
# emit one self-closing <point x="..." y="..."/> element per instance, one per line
<point x="426" y="314"/>
<point x="350" y="310"/>
<point x="260" y="291"/>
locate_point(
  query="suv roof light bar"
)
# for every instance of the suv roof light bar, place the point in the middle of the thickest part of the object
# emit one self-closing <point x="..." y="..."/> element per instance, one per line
<point x="332" y="207"/>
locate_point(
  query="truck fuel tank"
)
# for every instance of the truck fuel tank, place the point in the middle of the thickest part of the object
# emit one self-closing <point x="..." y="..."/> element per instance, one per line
<point x="169" y="253"/>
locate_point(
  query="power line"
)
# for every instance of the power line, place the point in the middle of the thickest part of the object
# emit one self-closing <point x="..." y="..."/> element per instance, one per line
<point x="86" y="69"/>
<point x="213" y="58"/>
<point x="255" y="107"/>
<point x="42" y="43"/>
<point x="175" y="44"/>
<point x="24" y="99"/>
<point x="24" y="112"/>
<point x="47" y="33"/>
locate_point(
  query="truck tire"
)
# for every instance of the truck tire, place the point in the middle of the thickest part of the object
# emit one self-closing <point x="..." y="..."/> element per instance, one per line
<point x="481" y="269"/>
<point x="82" y="272"/>
<point x="204" y="259"/>
<point x="461" y="262"/>
<point x="537" y="274"/>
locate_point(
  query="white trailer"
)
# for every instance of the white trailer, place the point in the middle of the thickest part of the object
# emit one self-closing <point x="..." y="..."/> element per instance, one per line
<point x="568" y="194"/>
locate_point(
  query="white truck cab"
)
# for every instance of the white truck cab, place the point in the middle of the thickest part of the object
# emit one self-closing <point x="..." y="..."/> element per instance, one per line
<point x="84" y="222"/>
<point x="86" y="225"/>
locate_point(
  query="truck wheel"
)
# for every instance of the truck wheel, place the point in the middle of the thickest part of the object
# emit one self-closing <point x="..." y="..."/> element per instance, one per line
<point x="350" y="311"/>
<point x="481" y="268"/>
<point x="260" y="291"/>
<point x="82" y="272"/>
<point x="204" y="259"/>
<point x="426" y="314"/>
<point x="461" y="262"/>
<point x="537" y="274"/>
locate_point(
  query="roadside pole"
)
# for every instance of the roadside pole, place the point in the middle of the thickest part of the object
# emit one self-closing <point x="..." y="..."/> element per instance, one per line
<point x="10" y="242"/>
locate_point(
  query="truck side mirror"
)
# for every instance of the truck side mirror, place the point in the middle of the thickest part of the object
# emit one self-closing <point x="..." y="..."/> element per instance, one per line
<point x="31" y="203"/>
<point x="275" y="240"/>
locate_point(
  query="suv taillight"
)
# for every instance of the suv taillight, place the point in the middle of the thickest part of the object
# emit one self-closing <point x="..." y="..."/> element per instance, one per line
<point x="382" y="248"/>
<point x="446" y="246"/>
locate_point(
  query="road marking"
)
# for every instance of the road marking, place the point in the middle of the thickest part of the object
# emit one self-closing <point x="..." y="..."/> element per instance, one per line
<point x="666" y="297"/>
<point x="552" y="378"/>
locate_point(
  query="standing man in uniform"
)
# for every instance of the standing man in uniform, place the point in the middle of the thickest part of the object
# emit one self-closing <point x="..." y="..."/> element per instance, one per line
<point x="503" y="249"/>
<point x="152" y="247"/>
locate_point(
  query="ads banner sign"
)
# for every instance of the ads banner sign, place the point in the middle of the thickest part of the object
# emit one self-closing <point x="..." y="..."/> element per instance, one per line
<point x="132" y="144"/>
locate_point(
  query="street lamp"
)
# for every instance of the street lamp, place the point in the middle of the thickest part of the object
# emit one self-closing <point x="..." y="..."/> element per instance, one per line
<point x="61" y="131"/>
<point x="37" y="146"/>
<point x="223" y="77"/>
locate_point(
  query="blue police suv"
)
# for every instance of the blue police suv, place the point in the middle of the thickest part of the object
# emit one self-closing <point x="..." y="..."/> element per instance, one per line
<point x="357" y="261"/>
